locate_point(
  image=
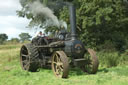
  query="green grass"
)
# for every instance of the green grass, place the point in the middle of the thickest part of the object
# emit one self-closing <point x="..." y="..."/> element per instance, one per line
<point x="12" y="74"/>
<point x="4" y="47"/>
<point x="112" y="59"/>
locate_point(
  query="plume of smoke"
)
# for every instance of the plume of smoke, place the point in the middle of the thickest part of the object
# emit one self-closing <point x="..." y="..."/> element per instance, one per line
<point x="37" y="8"/>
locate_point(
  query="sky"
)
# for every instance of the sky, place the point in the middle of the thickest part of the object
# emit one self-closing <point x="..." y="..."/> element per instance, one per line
<point x="10" y="23"/>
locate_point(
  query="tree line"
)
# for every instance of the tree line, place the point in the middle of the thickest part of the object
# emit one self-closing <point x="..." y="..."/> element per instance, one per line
<point x="101" y="24"/>
<point x="22" y="38"/>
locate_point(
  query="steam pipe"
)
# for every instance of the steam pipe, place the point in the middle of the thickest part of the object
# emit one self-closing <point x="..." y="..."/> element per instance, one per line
<point x="72" y="12"/>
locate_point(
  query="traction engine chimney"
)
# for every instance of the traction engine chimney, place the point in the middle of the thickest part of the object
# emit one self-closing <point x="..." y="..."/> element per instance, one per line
<point x="72" y="11"/>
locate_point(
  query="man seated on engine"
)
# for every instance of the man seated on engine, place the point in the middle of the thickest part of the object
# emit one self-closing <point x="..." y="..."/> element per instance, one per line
<point x="39" y="39"/>
<point x="40" y="34"/>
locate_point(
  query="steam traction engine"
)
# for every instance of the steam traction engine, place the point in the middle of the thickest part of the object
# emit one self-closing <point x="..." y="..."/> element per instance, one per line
<point x="59" y="53"/>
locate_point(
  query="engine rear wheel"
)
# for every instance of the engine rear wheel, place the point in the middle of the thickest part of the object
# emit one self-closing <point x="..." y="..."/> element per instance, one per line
<point x="92" y="63"/>
<point x="60" y="64"/>
<point x="29" y="58"/>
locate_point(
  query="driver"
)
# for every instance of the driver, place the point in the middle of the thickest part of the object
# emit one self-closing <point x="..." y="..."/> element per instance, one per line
<point x="39" y="38"/>
<point x="62" y="33"/>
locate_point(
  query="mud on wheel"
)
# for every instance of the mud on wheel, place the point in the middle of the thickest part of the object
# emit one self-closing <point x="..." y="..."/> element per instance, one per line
<point x="29" y="57"/>
<point x="92" y="63"/>
<point x="60" y="64"/>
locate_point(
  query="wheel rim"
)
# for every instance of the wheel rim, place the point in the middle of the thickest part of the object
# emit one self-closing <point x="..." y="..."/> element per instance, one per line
<point x="24" y="58"/>
<point x="60" y="64"/>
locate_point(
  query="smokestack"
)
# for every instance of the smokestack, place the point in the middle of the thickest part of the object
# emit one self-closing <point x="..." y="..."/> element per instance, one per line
<point x="72" y="11"/>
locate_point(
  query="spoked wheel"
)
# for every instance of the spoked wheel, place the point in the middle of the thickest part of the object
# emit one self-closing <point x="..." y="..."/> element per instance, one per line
<point x="92" y="63"/>
<point x="29" y="58"/>
<point x="60" y="64"/>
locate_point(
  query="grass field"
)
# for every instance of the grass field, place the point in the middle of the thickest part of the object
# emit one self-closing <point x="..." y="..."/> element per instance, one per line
<point x="12" y="74"/>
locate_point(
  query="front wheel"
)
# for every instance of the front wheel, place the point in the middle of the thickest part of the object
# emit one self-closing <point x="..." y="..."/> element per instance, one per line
<point x="60" y="64"/>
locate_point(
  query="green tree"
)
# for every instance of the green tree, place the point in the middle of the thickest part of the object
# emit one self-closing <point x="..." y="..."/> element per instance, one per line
<point x="24" y="37"/>
<point x="3" y="38"/>
<point x="15" y="40"/>
<point x="101" y="20"/>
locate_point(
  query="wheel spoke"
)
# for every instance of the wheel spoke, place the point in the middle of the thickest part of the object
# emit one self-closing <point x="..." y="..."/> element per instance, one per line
<point x="25" y="61"/>
<point x="26" y="65"/>
<point x="90" y="62"/>
<point x="56" y="70"/>
<point x="57" y="58"/>
<point x="60" y="72"/>
<point x="60" y="63"/>
<point x="54" y="62"/>
<point x="61" y="68"/>
<point x="24" y="55"/>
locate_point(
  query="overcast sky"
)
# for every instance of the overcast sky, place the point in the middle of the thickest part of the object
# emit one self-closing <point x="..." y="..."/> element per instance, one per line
<point x="10" y="23"/>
